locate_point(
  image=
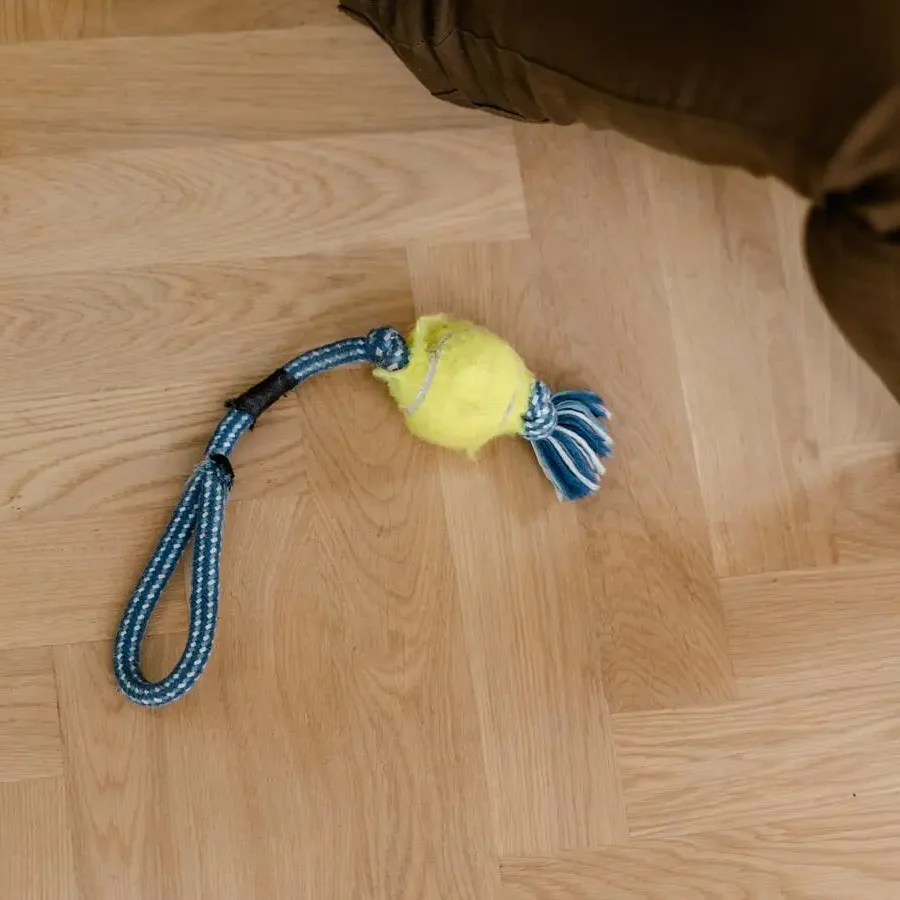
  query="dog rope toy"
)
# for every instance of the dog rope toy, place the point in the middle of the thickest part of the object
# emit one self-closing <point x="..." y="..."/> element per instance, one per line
<point x="458" y="386"/>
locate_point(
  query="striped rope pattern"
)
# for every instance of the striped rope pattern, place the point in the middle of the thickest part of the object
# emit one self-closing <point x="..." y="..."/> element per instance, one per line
<point x="200" y="514"/>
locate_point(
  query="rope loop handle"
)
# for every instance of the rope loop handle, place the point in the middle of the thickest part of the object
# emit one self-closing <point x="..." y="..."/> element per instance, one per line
<point x="200" y="514"/>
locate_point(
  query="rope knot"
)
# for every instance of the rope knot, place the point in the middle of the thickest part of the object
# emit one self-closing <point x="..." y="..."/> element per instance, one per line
<point x="541" y="417"/>
<point x="387" y="349"/>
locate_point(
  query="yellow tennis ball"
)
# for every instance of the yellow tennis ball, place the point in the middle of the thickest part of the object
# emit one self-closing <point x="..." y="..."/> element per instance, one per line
<point x="463" y="386"/>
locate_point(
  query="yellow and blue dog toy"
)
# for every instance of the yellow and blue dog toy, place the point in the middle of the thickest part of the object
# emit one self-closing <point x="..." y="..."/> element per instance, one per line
<point x="457" y="385"/>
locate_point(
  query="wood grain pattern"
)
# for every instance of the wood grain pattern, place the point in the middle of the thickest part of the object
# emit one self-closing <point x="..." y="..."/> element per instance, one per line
<point x="665" y="642"/>
<point x="531" y="620"/>
<point x="158" y="17"/>
<point x="866" y="499"/>
<point x="846" y="403"/>
<point x="35" y="844"/>
<point x="340" y="673"/>
<point x="141" y="817"/>
<point x="205" y="89"/>
<point x="160" y="440"/>
<point x="167" y="339"/>
<point x="853" y="422"/>
<point x="217" y="327"/>
<point x="430" y="679"/>
<point x="802" y="631"/>
<point x="60" y="462"/>
<point x="239" y="201"/>
<point x="52" y="20"/>
<point x="802" y="754"/>
<point x="393" y="624"/>
<point x="845" y="857"/>
<point x="77" y="574"/>
<point x="736" y="325"/>
<point x="30" y="745"/>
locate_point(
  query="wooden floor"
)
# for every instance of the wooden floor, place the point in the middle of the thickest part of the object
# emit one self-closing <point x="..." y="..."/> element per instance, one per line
<point x="431" y="680"/>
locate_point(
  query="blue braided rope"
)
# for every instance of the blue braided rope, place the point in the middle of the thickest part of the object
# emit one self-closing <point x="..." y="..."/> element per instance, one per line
<point x="200" y="514"/>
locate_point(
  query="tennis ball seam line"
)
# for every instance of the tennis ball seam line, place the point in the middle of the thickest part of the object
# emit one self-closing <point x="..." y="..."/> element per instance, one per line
<point x="434" y="357"/>
<point x="510" y="407"/>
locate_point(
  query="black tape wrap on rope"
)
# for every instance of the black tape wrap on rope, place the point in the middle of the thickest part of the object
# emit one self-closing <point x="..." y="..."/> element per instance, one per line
<point x="263" y="394"/>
